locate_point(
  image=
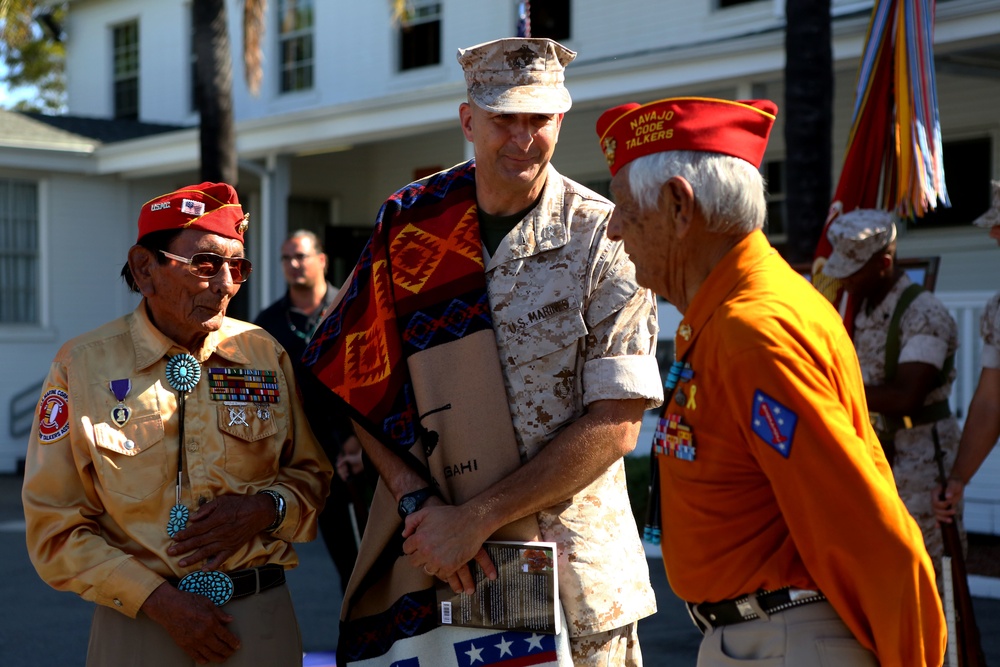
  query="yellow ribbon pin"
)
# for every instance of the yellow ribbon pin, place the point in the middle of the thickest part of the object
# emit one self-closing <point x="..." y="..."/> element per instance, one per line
<point x="691" y="405"/>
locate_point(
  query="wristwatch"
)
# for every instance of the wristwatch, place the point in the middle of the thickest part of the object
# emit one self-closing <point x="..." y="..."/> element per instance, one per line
<point x="279" y="509"/>
<point x="411" y="502"/>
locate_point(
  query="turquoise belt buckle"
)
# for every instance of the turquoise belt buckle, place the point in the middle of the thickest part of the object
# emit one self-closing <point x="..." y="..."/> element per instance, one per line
<point x="216" y="586"/>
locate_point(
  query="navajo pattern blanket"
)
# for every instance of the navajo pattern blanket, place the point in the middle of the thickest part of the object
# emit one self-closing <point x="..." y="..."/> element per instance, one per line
<point x="410" y="351"/>
<point x="432" y="291"/>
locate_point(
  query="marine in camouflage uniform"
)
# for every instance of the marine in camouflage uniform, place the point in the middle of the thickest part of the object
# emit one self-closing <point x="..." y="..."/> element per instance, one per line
<point x="927" y="335"/>
<point x="573" y="327"/>
<point x="576" y="339"/>
<point x="989" y="330"/>
<point x="982" y="422"/>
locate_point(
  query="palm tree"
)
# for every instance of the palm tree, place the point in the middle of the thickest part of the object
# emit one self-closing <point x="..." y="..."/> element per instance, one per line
<point x="808" y="116"/>
<point x="32" y="50"/>
<point x="214" y="72"/>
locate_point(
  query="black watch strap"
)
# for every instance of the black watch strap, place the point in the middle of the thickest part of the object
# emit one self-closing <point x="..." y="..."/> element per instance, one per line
<point x="413" y="501"/>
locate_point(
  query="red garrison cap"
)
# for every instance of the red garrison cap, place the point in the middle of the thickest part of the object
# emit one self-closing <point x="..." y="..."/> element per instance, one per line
<point x="210" y="207"/>
<point x="732" y="128"/>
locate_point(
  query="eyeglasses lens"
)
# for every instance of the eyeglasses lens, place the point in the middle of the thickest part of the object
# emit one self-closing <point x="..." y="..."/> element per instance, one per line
<point x="208" y="265"/>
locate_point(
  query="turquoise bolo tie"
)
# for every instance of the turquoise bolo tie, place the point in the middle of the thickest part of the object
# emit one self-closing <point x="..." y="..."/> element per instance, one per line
<point x="183" y="374"/>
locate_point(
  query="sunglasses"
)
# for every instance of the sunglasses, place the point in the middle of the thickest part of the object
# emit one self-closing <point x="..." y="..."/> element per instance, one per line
<point x="208" y="264"/>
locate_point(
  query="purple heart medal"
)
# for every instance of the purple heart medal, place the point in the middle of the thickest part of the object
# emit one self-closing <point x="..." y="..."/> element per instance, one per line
<point x="183" y="374"/>
<point x="121" y="413"/>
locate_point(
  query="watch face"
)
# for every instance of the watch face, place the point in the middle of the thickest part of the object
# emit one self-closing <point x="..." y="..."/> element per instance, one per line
<point x="411" y="502"/>
<point x="408" y="506"/>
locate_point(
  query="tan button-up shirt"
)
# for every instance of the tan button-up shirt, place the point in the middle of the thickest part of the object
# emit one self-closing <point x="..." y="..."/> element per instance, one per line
<point x="97" y="496"/>
<point x="573" y="327"/>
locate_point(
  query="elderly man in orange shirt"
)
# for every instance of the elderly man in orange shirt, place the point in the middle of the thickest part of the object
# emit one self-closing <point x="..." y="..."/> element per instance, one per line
<point x="782" y="527"/>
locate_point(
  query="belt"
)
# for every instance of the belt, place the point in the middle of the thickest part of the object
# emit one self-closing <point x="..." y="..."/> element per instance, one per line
<point x="749" y="607"/>
<point x="928" y="414"/>
<point x="886" y="426"/>
<point x="221" y="587"/>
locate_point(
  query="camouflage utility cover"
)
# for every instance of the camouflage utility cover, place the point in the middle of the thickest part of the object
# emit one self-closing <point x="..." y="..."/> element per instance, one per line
<point x="518" y="75"/>
<point x="856" y="237"/>
<point x="991" y="218"/>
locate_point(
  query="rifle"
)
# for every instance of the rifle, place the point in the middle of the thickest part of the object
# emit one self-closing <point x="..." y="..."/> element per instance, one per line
<point x="964" y="646"/>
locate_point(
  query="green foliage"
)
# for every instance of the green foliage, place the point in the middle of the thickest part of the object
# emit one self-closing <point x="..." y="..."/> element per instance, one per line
<point x="32" y="49"/>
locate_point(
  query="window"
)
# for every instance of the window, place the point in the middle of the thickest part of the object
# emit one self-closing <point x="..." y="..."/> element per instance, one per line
<point x="126" y="69"/>
<point x="296" y="44"/>
<point x="550" y="18"/>
<point x="420" y="35"/>
<point x="967" y="172"/>
<point x="774" y="175"/>
<point x="18" y="252"/>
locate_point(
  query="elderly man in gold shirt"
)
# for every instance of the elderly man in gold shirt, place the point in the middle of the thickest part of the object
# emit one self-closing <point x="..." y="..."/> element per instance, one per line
<point x="170" y="465"/>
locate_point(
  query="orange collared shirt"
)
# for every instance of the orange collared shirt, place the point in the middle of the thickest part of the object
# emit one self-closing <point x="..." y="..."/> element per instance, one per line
<point x="789" y="486"/>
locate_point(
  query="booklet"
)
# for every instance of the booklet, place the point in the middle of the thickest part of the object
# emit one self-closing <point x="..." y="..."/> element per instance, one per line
<point x="524" y="596"/>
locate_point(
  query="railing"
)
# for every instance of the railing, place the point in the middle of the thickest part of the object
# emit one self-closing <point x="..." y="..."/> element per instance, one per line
<point x="966" y="308"/>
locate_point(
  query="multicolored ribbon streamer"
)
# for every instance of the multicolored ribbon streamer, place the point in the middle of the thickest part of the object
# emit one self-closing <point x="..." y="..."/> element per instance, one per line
<point x="894" y="157"/>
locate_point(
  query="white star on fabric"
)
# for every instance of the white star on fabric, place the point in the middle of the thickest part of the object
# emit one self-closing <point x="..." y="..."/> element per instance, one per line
<point x="475" y="654"/>
<point x="534" y="641"/>
<point x="504" y="647"/>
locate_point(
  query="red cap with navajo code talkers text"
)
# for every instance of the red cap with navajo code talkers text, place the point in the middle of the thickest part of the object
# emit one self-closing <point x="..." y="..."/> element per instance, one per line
<point x="737" y="128"/>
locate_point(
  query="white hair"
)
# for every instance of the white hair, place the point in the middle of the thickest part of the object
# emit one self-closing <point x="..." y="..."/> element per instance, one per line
<point x="729" y="191"/>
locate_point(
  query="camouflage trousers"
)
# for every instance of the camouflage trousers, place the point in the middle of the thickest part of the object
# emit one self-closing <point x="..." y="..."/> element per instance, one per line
<point x="916" y="474"/>
<point x="615" y="648"/>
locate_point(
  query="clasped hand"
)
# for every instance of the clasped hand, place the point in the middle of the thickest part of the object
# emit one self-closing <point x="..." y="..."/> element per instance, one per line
<point x="442" y="540"/>
<point x="220" y="527"/>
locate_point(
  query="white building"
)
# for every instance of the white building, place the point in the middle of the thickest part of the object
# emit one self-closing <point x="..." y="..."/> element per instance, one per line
<point x="353" y="106"/>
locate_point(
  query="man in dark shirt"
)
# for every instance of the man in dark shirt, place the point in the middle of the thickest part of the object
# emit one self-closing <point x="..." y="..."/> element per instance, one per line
<point x="292" y="320"/>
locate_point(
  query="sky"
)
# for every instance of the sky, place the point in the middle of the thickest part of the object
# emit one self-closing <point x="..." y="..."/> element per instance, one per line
<point x="9" y="98"/>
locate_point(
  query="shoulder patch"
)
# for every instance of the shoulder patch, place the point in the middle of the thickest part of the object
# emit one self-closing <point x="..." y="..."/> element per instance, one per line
<point x="773" y="423"/>
<point x="53" y="415"/>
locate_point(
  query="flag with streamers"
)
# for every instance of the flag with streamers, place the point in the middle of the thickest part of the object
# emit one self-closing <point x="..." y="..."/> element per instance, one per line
<point x="893" y="159"/>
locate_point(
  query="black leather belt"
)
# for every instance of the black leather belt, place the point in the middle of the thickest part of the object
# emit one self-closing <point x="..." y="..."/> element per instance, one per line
<point x="221" y="587"/>
<point x="716" y="614"/>
<point x="929" y="414"/>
